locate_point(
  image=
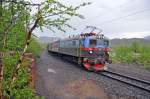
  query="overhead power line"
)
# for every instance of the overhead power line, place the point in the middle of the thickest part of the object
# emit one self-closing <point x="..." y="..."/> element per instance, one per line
<point x="122" y="17"/>
<point x="99" y="15"/>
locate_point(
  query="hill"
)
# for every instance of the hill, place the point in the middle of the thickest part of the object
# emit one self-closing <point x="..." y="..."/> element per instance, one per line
<point x="125" y="41"/>
<point x="47" y="39"/>
<point x="147" y="37"/>
<point x="116" y="41"/>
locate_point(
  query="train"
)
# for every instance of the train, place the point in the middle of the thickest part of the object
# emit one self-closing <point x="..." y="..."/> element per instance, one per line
<point x="89" y="49"/>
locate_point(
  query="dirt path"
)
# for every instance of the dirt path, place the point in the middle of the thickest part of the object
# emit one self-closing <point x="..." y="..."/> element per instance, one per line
<point x="61" y="80"/>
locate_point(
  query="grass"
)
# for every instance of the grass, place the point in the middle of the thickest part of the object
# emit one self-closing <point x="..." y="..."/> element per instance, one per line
<point x="134" y="53"/>
<point x="35" y="47"/>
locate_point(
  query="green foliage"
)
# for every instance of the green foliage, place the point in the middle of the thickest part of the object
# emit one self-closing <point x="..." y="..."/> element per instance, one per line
<point x="13" y="32"/>
<point x="135" y="47"/>
<point x="35" y="47"/>
<point x="135" y="53"/>
<point x="144" y="58"/>
<point x="12" y="26"/>
<point x="123" y="54"/>
<point x="55" y="15"/>
<point x="20" y="88"/>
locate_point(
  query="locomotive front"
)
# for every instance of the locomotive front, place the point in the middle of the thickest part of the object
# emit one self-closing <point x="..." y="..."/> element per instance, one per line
<point x="95" y="51"/>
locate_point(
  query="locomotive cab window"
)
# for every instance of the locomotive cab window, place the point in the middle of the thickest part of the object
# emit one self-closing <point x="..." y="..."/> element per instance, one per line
<point x="106" y="43"/>
<point x="99" y="42"/>
<point x="93" y="43"/>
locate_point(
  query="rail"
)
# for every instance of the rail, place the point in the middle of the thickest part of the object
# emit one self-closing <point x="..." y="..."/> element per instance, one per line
<point x="135" y="82"/>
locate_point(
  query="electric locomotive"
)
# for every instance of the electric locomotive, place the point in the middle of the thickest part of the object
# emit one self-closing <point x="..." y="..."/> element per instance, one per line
<point x="89" y="49"/>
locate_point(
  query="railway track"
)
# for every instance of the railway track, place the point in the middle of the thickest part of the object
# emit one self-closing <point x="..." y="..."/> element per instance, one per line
<point x="135" y="82"/>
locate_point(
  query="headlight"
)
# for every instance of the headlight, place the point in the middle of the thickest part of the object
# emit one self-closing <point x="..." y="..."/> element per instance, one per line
<point x="90" y="52"/>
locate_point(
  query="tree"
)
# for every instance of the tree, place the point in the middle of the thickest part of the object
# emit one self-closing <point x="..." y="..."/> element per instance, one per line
<point x="51" y="14"/>
<point x="12" y="24"/>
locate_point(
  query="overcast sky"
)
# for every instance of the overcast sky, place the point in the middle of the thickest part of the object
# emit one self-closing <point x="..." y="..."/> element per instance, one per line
<point x="117" y="18"/>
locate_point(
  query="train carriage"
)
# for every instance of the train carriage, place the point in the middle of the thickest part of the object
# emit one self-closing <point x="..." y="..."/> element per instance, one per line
<point x="70" y="47"/>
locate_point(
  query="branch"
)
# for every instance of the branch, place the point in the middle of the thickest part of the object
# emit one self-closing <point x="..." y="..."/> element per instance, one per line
<point x="62" y="12"/>
<point x="18" y="65"/>
<point x="1" y="74"/>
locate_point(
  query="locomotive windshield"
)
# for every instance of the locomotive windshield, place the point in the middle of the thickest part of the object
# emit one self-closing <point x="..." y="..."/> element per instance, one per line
<point x="102" y="42"/>
<point x="93" y="43"/>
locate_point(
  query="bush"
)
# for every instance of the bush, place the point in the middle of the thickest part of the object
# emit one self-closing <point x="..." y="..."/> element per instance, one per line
<point x="135" y="53"/>
<point x="20" y="88"/>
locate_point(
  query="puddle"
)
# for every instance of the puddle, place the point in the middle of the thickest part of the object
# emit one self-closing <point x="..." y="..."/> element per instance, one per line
<point x="51" y="70"/>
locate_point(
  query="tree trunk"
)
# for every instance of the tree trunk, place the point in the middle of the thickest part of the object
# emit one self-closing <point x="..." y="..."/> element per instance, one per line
<point x="1" y="74"/>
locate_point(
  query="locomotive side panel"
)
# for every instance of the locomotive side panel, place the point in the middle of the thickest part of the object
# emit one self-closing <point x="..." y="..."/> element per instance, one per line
<point x="70" y="47"/>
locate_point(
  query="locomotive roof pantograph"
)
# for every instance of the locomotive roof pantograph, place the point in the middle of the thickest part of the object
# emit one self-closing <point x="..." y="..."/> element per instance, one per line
<point x="92" y="31"/>
<point x="89" y="31"/>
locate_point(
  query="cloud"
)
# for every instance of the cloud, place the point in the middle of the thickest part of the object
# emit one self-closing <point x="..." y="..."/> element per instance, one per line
<point x="122" y="18"/>
<point x="128" y="35"/>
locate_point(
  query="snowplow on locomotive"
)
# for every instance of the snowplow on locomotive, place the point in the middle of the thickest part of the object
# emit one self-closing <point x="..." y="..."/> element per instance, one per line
<point x="89" y="49"/>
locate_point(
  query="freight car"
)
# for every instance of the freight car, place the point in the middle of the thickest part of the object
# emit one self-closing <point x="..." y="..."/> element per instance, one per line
<point x="89" y="49"/>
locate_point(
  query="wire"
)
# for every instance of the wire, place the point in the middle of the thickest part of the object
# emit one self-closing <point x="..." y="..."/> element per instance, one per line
<point x="122" y="17"/>
<point x="94" y="17"/>
<point x="31" y="1"/>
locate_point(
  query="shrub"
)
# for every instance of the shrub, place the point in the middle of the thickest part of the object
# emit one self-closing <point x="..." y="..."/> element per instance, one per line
<point x="135" y="53"/>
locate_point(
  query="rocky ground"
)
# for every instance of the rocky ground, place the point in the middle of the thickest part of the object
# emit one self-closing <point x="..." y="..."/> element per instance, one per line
<point x="58" y="79"/>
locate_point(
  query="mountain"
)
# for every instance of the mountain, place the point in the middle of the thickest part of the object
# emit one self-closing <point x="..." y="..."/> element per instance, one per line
<point x="116" y="41"/>
<point x="147" y="37"/>
<point x="125" y="41"/>
<point x="47" y="39"/>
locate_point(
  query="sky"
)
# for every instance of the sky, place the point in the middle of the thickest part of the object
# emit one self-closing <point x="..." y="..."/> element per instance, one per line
<point x="117" y="18"/>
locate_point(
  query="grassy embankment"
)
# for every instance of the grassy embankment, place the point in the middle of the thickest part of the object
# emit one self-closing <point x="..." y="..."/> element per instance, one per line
<point x="135" y="53"/>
